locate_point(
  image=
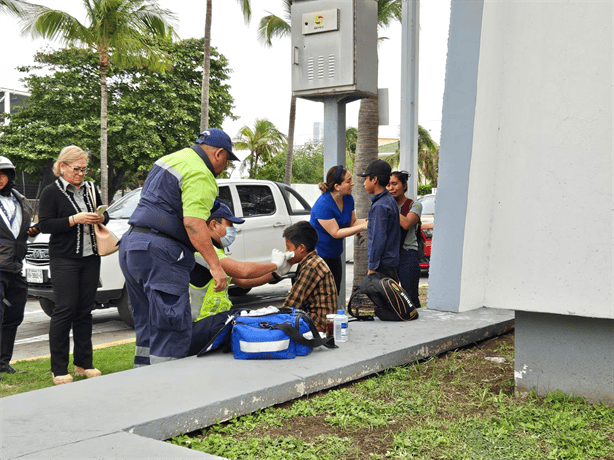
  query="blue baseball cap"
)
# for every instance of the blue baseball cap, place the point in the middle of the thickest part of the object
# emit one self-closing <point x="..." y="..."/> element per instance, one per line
<point x="221" y="210"/>
<point x="217" y="138"/>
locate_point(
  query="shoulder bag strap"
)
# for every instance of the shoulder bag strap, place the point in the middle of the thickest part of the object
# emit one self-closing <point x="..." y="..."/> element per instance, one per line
<point x="355" y="314"/>
<point x="406" y="206"/>
<point x="228" y="325"/>
<point x="90" y="188"/>
<point x="294" y="334"/>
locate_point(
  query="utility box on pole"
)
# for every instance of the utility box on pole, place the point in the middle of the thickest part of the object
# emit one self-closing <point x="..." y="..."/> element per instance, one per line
<point x="334" y="49"/>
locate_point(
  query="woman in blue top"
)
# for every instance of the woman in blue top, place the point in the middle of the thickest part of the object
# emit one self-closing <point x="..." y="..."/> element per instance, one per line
<point x="334" y="218"/>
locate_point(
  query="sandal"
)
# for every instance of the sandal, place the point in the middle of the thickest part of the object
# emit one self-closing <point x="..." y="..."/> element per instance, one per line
<point x="89" y="373"/>
<point x="61" y="379"/>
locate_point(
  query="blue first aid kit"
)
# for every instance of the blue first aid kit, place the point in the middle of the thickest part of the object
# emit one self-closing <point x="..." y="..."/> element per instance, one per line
<point x="283" y="334"/>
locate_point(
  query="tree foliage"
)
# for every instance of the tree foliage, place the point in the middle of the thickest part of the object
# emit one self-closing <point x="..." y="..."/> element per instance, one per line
<point x="263" y="141"/>
<point x="150" y="114"/>
<point x="120" y="32"/>
<point x="428" y="157"/>
<point x="307" y="165"/>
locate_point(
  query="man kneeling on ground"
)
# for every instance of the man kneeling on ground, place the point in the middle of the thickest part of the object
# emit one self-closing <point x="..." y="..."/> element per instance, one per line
<point x="210" y="308"/>
<point x="313" y="291"/>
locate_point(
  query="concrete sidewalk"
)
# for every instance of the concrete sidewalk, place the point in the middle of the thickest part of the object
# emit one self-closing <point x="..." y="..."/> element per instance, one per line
<point x="127" y="414"/>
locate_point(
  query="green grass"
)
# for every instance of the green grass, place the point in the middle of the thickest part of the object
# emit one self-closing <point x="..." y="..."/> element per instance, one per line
<point x="438" y="409"/>
<point x="38" y="375"/>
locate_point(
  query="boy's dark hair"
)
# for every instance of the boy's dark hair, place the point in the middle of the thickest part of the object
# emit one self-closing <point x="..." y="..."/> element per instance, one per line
<point x="302" y="233"/>
<point x="381" y="179"/>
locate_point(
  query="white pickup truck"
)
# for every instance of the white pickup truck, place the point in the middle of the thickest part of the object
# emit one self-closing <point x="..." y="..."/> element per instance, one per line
<point x="267" y="207"/>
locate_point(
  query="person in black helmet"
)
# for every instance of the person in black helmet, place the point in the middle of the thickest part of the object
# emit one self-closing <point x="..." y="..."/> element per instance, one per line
<point x="14" y="230"/>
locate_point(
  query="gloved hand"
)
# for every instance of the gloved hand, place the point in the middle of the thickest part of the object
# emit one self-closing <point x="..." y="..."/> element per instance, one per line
<point x="285" y="267"/>
<point x="277" y="257"/>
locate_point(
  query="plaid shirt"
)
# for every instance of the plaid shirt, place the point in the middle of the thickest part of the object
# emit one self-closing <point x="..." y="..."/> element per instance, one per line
<point x="314" y="290"/>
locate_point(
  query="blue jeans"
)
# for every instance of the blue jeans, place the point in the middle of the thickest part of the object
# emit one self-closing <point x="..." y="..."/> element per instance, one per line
<point x="409" y="273"/>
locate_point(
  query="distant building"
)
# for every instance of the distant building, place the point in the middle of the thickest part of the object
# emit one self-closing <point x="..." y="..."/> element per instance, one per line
<point x="318" y="131"/>
<point x="10" y="101"/>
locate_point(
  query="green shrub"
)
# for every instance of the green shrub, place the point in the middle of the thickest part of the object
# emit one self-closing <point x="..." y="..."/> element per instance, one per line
<point x="425" y="189"/>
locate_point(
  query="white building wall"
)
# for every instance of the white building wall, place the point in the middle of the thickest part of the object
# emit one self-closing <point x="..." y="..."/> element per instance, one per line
<point x="538" y="232"/>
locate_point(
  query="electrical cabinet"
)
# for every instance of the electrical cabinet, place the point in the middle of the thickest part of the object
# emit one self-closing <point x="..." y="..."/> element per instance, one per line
<point x="334" y="49"/>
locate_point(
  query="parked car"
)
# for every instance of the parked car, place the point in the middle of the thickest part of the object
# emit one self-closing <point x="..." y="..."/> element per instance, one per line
<point x="267" y="207"/>
<point x="428" y="217"/>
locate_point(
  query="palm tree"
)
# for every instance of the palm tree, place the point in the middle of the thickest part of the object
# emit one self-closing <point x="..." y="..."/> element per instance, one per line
<point x="204" y="102"/>
<point x="428" y="157"/>
<point x="366" y="146"/>
<point x="263" y="142"/>
<point x="272" y="26"/>
<point x="119" y="31"/>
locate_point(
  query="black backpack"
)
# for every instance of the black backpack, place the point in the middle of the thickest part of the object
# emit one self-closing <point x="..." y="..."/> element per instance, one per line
<point x="391" y="301"/>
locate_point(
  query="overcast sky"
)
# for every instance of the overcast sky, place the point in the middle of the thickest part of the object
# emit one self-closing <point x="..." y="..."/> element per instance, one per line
<point x="260" y="82"/>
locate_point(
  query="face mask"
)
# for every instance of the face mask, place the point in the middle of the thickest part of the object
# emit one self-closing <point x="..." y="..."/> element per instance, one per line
<point x="228" y="239"/>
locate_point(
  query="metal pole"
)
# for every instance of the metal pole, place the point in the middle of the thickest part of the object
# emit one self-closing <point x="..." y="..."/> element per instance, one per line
<point x="334" y="154"/>
<point x="409" y="93"/>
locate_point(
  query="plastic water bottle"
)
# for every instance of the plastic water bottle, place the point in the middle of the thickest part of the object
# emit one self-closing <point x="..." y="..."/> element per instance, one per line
<point x="341" y="326"/>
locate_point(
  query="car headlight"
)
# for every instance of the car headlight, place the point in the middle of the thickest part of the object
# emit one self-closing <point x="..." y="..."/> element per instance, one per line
<point x="428" y="232"/>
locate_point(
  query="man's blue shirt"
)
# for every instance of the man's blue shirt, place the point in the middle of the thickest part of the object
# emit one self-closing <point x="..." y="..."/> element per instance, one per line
<point x="383" y="231"/>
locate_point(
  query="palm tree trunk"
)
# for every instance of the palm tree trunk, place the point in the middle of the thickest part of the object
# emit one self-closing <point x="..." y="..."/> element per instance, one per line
<point x="104" y="172"/>
<point x="366" y="152"/>
<point x="290" y="151"/>
<point x="204" y="101"/>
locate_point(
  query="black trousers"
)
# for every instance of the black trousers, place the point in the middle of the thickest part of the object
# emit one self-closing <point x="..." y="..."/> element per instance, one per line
<point x="74" y="287"/>
<point x="390" y="272"/>
<point x="409" y="273"/>
<point x="13" y="296"/>
<point x="335" y="268"/>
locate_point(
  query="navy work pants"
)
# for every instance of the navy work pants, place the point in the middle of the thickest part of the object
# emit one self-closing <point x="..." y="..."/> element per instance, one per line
<point x="157" y="271"/>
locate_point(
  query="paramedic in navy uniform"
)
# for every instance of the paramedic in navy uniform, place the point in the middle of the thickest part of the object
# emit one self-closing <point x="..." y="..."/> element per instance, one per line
<point x="157" y="254"/>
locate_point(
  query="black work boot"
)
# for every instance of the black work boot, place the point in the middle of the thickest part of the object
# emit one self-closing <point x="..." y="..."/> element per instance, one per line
<point x="7" y="342"/>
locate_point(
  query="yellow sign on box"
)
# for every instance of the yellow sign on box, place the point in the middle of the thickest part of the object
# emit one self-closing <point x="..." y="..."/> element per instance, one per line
<point x="323" y="21"/>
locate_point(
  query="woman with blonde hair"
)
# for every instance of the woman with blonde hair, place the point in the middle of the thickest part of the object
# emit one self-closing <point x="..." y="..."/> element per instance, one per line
<point x="68" y="213"/>
<point x="334" y="218"/>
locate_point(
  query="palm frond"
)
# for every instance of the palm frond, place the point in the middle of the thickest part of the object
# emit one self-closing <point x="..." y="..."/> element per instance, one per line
<point x="272" y="26"/>
<point x="16" y="7"/>
<point x="55" y="25"/>
<point x="246" y="8"/>
<point x="154" y="20"/>
<point x="389" y="11"/>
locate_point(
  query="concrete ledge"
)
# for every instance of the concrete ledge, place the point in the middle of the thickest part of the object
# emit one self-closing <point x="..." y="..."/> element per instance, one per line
<point x="124" y="415"/>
